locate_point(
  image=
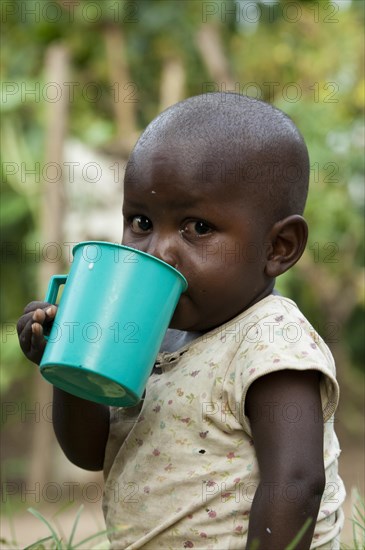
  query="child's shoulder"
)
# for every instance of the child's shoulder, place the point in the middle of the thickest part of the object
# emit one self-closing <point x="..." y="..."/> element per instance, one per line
<point x="277" y="315"/>
<point x="272" y="305"/>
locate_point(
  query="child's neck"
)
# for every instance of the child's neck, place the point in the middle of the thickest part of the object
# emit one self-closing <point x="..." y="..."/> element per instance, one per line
<point x="175" y="339"/>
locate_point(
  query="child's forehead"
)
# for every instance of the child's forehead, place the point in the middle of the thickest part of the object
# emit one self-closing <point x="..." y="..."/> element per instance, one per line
<point x="194" y="166"/>
<point x="202" y="138"/>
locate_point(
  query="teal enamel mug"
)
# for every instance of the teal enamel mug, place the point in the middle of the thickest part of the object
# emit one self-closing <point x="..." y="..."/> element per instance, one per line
<point x="115" y="308"/>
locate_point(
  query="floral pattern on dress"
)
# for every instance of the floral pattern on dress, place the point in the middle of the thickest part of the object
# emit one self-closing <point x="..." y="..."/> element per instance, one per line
<point x="189" y="451"/>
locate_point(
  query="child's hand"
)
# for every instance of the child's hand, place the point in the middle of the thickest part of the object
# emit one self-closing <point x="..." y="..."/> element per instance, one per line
<point x="37" y="316"/>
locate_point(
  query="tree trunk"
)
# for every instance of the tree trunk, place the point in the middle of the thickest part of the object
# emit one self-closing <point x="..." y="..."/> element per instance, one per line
<point x="172" y="85"/>
<point x="210" y="45"/>
<point x="125" y="92"/>
<point x="51" y="230"/>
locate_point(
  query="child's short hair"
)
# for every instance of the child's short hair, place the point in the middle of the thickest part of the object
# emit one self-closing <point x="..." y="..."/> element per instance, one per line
<point x="249" y="143"/>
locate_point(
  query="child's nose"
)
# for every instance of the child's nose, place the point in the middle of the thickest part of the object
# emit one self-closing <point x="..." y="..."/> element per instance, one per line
<point x="164" y="249"/>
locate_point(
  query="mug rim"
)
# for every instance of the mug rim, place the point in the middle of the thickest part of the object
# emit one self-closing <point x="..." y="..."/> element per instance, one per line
<point x="134" y="250"/>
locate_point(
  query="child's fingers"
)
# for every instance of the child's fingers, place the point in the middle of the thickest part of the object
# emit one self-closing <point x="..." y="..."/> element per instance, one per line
<point x="38" y="343"/>
<point x="39" y="316"/>
<point x="37" y="330"/>
<point x="32" y="306"/>
<point x="30" y="310"/>
<point x="30" y="328"/>
<point x="44" y="316"/>
<point x="51" y="313"/>
<point x="24" y="328"/>
<point x="24" y="319"/>
<point x="34" y="341"/>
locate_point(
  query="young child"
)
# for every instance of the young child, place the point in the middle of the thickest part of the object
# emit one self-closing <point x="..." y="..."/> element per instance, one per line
<point x="233" y="446"/>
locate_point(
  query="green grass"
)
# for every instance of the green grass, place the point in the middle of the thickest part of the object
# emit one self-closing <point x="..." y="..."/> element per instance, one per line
<point x="55" y="541"/>
<point x="358" y="522"/>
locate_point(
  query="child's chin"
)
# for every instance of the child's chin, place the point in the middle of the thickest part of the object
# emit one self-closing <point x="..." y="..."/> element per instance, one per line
<point x="182" y="318"/>
<point x="177" y="322"/>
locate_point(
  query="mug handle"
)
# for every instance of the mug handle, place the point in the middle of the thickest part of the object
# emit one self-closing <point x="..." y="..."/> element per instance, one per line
<point x="53" y="287"/>
<point x="52" y="292"/>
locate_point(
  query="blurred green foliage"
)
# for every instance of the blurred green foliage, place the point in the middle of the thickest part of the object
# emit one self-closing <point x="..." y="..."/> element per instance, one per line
<point x="305" y="57"/>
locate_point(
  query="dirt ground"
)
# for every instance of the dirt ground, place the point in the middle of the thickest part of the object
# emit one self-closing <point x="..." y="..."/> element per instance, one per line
<point x="25" y="529"/>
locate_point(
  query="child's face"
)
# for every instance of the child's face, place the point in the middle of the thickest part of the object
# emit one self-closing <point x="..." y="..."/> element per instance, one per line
<point x="205" y="229"/>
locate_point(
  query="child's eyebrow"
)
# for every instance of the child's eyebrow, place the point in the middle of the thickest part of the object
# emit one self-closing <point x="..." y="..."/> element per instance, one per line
<point x="177" y="203"/>
<point x="132" y="204"/>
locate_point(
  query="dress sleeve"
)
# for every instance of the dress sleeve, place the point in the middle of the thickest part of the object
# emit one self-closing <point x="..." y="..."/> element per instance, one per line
<point x="277" y="342"/>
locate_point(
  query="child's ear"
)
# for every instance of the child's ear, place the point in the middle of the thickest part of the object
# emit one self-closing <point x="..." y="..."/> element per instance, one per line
<point x="287" y="240"/>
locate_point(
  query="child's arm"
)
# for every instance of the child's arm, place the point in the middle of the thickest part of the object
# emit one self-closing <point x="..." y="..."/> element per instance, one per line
<point x="284" y="409"/>
<point x="81" y="427"/>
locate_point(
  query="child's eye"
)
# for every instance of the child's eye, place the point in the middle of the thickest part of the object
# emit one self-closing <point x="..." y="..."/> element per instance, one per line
<point x="196" y="228"/>
<point x="140" y="224"/>
<point x="201" y="228"/>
